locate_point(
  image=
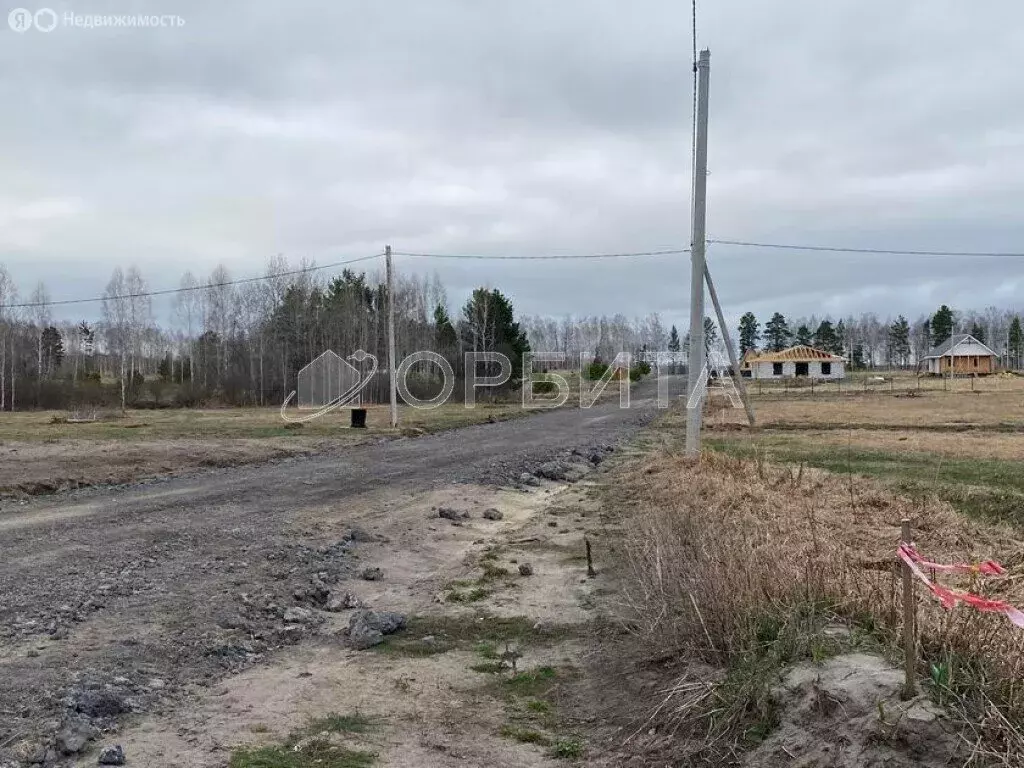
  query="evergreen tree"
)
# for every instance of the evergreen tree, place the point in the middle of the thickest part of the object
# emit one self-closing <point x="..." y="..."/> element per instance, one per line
<point x="444" y="330"/>
<point x="840" y="348"/>
<point x="166" y="367"/>
<point x="674" y="344"/>
<point x="777" y="333"/>
<point x="857" y="360"/>
<point x="825" y="338"/>
<point x="710" y="338"/>
<point x="803" y="335"/>
<point x="488" y="325"/>
<point x="941" y="325"/>
<point x="899" y="340"/>
<point x="1016" y="341"/>
<point x="749" y="332"/>
<point x="978" y="331"/>
<point x="51" y="350"/>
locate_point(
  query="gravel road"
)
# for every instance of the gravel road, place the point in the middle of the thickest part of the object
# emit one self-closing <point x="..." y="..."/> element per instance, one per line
<point x="117" y="601"/>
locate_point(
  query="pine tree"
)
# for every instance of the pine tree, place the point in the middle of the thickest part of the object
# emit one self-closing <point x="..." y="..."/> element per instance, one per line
<point x="1016" y="341"/>
<point x="825" y="338"/>
<point x="488" y="325"/>
<point x="777" y="333"/>
<point x="978" y="332"/>
<point x="803" y="335"/>
<point x="899" y="340"/>
<point x="840" y="348"/>
<point x="710" y="338"/>
<point x="444" y="330"/>
<point x="941" y="325"/>
<point x="674" y="344"/>
<point x="857" y="360"/>
<point x="749" y="332"/>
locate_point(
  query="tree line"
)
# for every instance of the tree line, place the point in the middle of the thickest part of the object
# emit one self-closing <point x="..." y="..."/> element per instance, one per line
<point x="868" y="341"/>
<point x="234" y="343"/>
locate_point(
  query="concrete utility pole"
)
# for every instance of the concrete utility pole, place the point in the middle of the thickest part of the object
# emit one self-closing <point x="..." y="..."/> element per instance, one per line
<point x="695" y="365"/>
<point x="392" y="364"/>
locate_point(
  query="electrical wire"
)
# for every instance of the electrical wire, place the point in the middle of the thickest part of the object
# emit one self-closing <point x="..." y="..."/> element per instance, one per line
<point x="551" y="257"/>
<point x="880" y="251"/>
<point x="170" y="291"/>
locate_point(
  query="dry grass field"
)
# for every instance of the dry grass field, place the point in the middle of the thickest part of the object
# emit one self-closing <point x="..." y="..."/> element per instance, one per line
<point x="789" y="527"/>
<point x="961" y="444"/>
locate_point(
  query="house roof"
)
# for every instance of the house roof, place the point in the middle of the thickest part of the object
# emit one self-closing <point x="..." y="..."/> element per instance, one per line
<point x="801" y="353"/>
<point x="948" y="347"/>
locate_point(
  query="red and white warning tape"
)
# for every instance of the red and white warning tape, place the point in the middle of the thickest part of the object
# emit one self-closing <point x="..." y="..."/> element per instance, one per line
<point x="950" y="597"/>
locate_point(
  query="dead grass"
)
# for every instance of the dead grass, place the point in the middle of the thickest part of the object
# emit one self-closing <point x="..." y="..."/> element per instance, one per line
<point x="996" y="404"/>
<point x="237" y="423"/>
<point x="980" y="444"/>
<point x="741" y="563"/>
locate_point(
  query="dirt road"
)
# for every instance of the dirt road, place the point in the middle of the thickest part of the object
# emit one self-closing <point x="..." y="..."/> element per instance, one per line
<point x="116" y="604"/>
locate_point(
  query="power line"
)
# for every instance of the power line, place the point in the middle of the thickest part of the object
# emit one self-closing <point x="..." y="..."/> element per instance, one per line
<point x="879" y="251"/>
<point x="551" y="257"/>
<point x="169" y="291"/>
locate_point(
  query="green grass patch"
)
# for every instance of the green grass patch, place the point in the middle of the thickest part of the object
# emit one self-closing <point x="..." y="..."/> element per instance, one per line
<point x="487" y="650"/>
<point x="568" y="749"/>
<point x="988" y="488"/>
<point x="469" y="633"/>
<point x="539" y="706"/>
<point x="307" y="749"/>
<point x="474" y="595"/>
<point x="524" y="735"/>
<point x="536" y="682"/>
<point x="315" y="754"/>
<point x="335" y="723"/>
<point x="489" y="667"/>
<point x="493" y="573"/>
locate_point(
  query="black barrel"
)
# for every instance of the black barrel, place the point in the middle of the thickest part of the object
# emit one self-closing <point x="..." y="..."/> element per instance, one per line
<point x="359" y="418"/>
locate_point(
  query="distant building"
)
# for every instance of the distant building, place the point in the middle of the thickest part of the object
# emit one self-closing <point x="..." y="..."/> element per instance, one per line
<point x="963" y="354"/>
<point x="800" y="360"/>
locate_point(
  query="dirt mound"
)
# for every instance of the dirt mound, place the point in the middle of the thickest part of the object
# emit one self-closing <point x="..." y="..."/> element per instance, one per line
<point x="847" y="713"/>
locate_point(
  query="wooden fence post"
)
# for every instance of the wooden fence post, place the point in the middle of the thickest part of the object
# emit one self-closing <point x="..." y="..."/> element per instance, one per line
<point x="909" y="614"/>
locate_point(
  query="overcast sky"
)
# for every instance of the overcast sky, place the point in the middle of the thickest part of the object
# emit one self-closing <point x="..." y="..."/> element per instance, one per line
<point x="326" y="130"/>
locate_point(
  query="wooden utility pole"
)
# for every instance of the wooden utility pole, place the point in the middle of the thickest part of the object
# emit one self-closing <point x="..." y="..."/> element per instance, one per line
<point x="392" y="364"/>
<point x="733" y="360"/>
<point x="909" y="612"/>
<point x="696" y="379"/>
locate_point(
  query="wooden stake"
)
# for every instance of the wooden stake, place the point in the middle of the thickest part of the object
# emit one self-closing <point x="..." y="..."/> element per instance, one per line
<point x="591" y="573"/>
<point x="909" y="613"/>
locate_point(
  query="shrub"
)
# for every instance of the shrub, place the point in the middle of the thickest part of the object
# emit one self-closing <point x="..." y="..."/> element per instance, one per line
<point x="596" y="370"/>
<point x="544" y="387"/>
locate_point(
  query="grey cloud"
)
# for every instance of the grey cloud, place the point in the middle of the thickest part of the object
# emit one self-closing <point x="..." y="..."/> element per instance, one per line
<point x="326" y="130"/>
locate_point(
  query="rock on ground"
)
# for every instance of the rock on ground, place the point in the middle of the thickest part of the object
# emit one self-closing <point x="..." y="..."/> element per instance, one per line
<point x="372" y="574"/>
<point x="848" y="713"/>
<point x="342" y="601"/>
<point x="112" y="755"/>
<point x="74" y="735"/>
<point x="368" y="628"/>
<point x="493" y="514"/>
